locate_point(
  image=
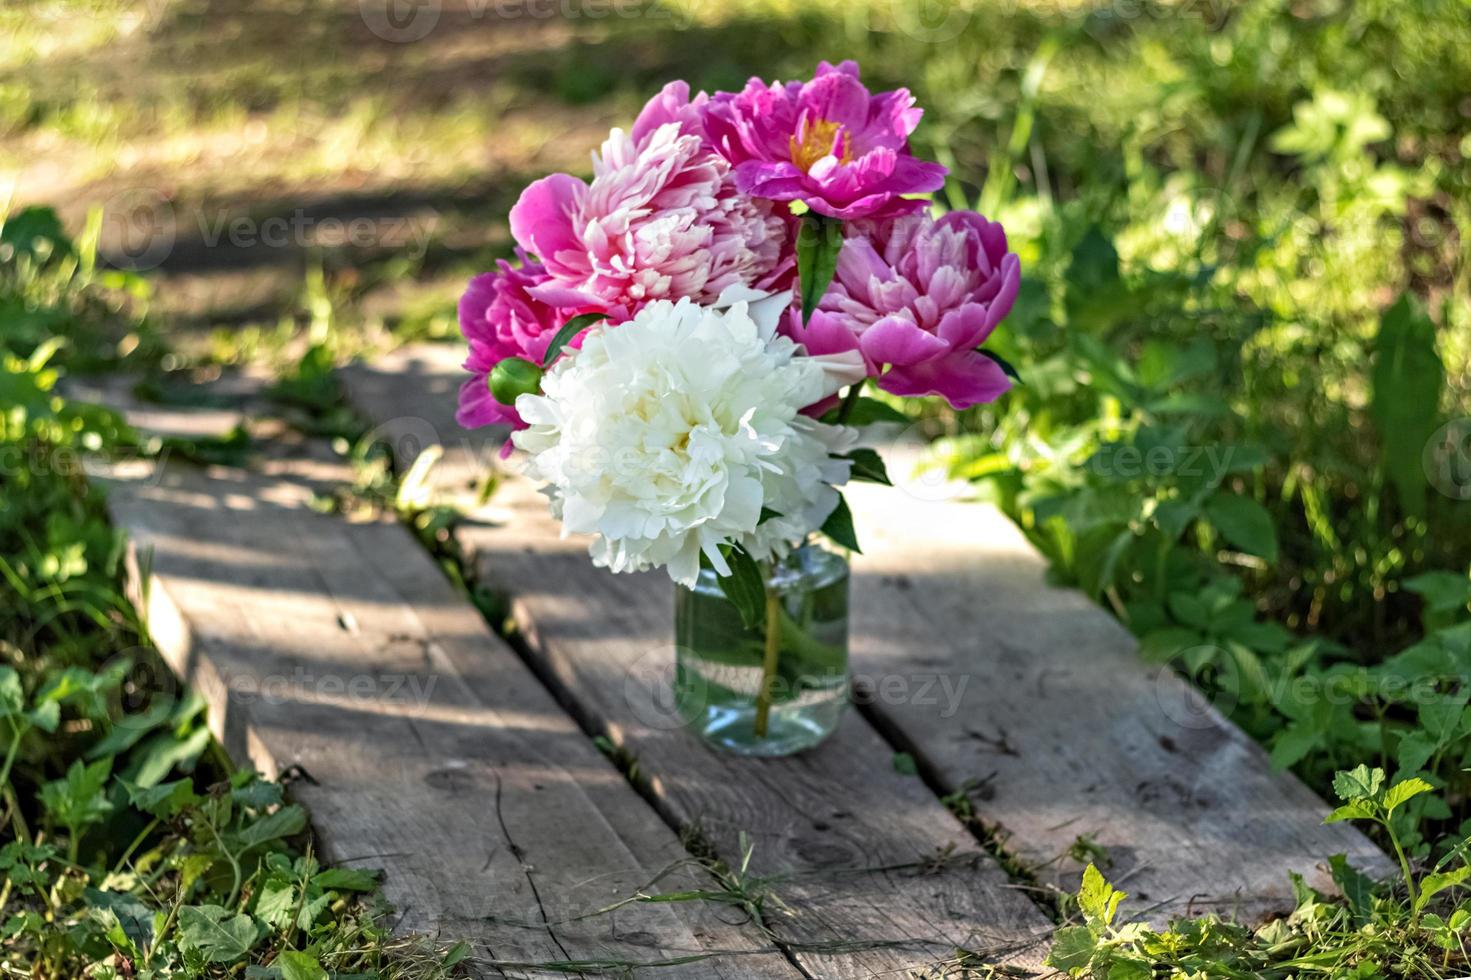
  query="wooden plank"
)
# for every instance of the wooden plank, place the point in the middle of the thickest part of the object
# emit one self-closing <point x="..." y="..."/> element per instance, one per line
<point x="1069" y="733"/>
<point x="426" y="746"/>
<point x="994" y="678"/>
<point x="880" y="876"/>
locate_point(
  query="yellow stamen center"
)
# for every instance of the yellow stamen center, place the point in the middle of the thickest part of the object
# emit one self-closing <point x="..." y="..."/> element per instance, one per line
<point x="817" y="142"/>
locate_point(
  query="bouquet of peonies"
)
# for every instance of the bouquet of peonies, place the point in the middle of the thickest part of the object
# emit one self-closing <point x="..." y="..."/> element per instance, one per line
<point x="681" y="346"/>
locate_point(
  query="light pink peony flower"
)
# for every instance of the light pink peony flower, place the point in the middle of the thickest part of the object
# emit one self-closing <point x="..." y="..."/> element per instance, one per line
<point x="500" y="318"/>
<point x="827" y="143"/>
<point x="916" y="296"/>
<point x="660" y="220"/>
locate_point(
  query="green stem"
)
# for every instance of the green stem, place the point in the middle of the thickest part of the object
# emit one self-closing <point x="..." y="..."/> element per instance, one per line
<point x="137" y="842"/>
<point x="12" y="802"/>
<point x="855" y="391"/>
<point x="18" y="733"/>
<point x="234" y="864"/>
<point x="1404" y="865"/>
<point x="168" y="924"/>
<point x="768" y="660"/>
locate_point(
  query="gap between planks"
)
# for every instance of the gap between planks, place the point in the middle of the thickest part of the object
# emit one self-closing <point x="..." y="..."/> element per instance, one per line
<point x="431" y="751"/>
<point x="881" y="877"/>
<point x="1051" y="716"/>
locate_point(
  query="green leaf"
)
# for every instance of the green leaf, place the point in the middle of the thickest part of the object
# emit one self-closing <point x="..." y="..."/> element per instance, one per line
<point x="1359" y="783"/>
<point x="1357" y="889"/>
<point x="12" y="695"/>
<point x="868" y="466"/>
<point x="1173" y="516"/>
<point x="1293" y="743"/>
<point x="162" y="752"/>
<point x="1415" y="749"/>
<point x="77" y="800"/>
<point x="1072" y="950"/>
<point x="768" y="514"/>
<point x="904" y="763"/>
<point x="868" y="411"/>
<point x="46" y="716"/>
<point x="1095" y="263"/>
<point x="839" y="526"/>
<point x="1442" y="591"/>
<point x="1441" y="716"/>
<point x="1245" y="523"/>
<point x="1002" y="363"/>
<point x="347" y="879"/>
<point x="1403" y="791"/>
<point x="275" y="903"/>
<point x="819" y="240"/>
<point x="133" y="917"/>
<point x="283" y="823"/>
<point x="1350" y="811"/>
<point x="131" y="730"/>
<point x="1407" y="380"/>
<point x="567" y="332"/>
<point x="215" y="934"/>
<point x="163" y="801"/>
<point x="37" y="232"/>
<point x="300" y="966"/>
<point x="1433" y="884"/>
<point x="1097" y="898"/>
<point x="248" y="789"/>
<point x="745" y="587"/>
<point x="1129" y="969"/>
<point x="456" y="954"/>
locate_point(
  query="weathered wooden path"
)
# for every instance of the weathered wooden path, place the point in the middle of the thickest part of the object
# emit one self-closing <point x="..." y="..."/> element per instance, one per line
<point x="465" y="768"/>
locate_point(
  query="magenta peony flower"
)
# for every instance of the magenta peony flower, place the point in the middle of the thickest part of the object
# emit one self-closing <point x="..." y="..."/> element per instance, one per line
<point x="661" y="220"/>
<point x="916" y="296"/>
<point x="827" y="143"/>
<point x="501" y="318"/>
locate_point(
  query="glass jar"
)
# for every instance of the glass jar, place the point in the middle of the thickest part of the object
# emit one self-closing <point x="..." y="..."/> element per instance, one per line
<point x="781" y="686"/>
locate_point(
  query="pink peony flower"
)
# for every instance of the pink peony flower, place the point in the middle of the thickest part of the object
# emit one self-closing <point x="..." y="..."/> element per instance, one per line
<point x="501" y="318"/>
<point x="826" y="142"/>
<point x="661" y="220"/>
<point x="916" y="296"/>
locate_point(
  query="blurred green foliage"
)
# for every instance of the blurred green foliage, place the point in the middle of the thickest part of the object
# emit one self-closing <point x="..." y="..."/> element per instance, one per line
<point x="1244" y="333"/>
<point x="129" y="847"/>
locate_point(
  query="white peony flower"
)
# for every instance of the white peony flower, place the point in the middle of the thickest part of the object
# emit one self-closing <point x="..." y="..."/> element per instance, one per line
<point x="668" y="435"/>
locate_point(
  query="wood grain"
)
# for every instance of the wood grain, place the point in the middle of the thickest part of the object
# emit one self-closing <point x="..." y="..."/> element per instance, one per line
<point x="879" y="876"/>
<point x="425" y="747"/>
<point x="1041" y="699"/>
<point x="1030" y="694"/>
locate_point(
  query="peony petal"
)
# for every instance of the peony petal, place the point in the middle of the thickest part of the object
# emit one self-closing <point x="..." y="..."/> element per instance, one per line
<point x="963" y="379"/>
<point x="672" y="105"/>
<point x="1010" y="283"/>
<point x="774" y="181"/>
<point x="825" y="333"/>
<point x="899" y="341"/>
<point x="836" y="97"/>
<point x="478" y="407"/>
<point x="541" y="220"/>
<point x="845" y="67"/>
<point x="965" y="327"/>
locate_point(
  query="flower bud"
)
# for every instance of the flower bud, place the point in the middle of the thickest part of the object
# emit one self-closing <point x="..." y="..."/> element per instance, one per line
<point x="512" y="378"/>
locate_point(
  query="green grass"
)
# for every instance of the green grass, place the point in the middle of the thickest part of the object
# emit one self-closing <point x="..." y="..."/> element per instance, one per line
<point x="130" y="846"/>
<point x="1410" y="929"/>
<point x="1241" y="226"/>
